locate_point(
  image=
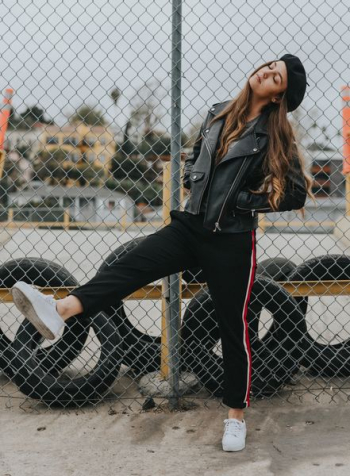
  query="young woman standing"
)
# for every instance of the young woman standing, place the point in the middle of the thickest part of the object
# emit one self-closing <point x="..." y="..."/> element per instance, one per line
<point x="244" y="144"/>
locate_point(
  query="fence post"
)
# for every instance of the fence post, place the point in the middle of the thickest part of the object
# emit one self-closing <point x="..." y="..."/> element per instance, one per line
<point x="164" y="364"/>
<point x="174" y="281"/>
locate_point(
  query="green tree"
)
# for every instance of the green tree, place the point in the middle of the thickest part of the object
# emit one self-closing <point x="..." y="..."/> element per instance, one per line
<point x="87" y="174"/>
<point x="139" y="191"/>
<point x="147" y="109"/>
<point x="26" y="119"/>
<point x="133" y="169"/>
<point x="155" y="145"/>
<point x="115" y="95"/>
<point x="23" y="151"/>
<point x="88" y="115"/>
<point x="48" y="166"/>
<point x="12" y="176"/>
<point x="5" y="189"/>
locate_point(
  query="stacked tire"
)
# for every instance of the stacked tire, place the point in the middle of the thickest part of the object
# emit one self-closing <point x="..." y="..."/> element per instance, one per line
<point x="275" y="358"/>
<point x="40" y="370"/>
<point x="325" y="360"/>
<point x="37" y="370"/>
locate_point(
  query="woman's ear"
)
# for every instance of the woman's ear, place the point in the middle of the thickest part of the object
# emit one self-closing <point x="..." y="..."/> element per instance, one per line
<point x="276" y="99"/>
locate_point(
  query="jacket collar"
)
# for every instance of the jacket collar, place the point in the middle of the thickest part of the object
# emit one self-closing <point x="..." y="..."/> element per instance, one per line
<point x="247" y="145"/>
<point x="260" y="126"/>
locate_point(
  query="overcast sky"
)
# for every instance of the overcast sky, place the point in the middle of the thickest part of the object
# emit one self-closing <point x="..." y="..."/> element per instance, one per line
<point x="60" y="54"/>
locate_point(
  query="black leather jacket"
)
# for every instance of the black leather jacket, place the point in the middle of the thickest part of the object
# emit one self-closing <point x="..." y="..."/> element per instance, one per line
<point x="231" y="207"/>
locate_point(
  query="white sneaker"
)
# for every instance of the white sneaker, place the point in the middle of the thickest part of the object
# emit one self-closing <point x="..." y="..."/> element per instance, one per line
<point x="234" y="435"/>
<point x="38" y="308"/>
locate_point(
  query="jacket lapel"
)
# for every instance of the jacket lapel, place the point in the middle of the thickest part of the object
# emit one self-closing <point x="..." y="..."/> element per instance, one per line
<point x="247" y="145"/>
<point x="214" y="134"/>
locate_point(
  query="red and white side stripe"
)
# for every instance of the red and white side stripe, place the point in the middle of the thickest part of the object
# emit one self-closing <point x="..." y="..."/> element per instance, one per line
<point x="245" y="323"/>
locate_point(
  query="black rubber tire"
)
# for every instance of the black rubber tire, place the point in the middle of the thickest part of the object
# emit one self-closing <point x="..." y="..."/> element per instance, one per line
<point x="141" y="352"/>
<point x="277" y="269"/>
<point x="205" y="331"/>
<point x="6" y="355"/>
<point x="319" y="359"/>
<point x="63" y="391"/>
<point x="40" y="272"/>
<point x="274" y="361"/>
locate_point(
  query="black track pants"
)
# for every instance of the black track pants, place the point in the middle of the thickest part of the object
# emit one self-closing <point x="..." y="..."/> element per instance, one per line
<point x="228" y="261"/>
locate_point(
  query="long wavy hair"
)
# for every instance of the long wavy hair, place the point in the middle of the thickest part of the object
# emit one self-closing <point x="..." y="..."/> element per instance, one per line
<point x="282" y="143"/>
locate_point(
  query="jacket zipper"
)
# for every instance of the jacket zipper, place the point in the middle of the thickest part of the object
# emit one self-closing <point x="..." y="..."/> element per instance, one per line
<point x="203" y="188"/>
<point x="217" y="223"/>
<point x="254" y="209"/>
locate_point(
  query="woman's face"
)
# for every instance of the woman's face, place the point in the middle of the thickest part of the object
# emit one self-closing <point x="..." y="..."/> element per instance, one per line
<point x="269" y="81"/>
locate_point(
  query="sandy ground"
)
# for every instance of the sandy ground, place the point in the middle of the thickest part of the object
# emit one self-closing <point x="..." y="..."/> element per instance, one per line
<point x="281" y="440"/>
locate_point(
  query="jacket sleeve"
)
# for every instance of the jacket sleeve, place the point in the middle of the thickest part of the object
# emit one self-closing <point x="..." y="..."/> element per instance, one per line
<point x="191" y="159"/>
<point x="294" y="198"/>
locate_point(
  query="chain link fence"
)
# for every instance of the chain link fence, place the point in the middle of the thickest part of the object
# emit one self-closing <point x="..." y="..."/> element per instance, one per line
<point x="102" y="102"/>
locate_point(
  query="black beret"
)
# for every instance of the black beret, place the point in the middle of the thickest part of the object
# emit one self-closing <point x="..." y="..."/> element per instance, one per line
<point x="296" y="78"/>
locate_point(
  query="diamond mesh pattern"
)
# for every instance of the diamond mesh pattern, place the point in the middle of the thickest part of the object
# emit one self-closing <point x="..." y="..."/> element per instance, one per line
<point x="88" y="138"/>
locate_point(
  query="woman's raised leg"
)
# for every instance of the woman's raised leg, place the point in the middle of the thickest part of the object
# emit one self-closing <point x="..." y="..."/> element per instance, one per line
<point x="165" y="252"/>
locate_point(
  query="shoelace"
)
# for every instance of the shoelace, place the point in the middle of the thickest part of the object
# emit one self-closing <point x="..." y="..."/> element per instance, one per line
<point x="233" y="427"/>
<point x="50" y="298"/>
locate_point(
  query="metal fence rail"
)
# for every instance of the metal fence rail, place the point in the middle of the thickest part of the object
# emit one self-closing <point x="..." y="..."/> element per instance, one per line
<point x="102" y="102"/>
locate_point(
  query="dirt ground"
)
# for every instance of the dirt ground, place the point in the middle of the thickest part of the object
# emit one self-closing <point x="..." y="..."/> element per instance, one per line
<point x="283" y="439"/>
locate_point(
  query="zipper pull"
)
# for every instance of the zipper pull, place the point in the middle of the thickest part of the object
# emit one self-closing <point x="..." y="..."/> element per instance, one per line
<point x="253" y="213"/>
<point x="217" y="227"/>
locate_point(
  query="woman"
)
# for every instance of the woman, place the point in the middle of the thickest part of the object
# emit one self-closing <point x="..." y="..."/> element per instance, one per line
<point x="244" y="143"/>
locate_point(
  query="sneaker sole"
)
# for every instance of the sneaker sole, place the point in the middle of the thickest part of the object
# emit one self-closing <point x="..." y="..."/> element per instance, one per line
<point x="25" y="306"/>
<point x="236" y="449"/>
